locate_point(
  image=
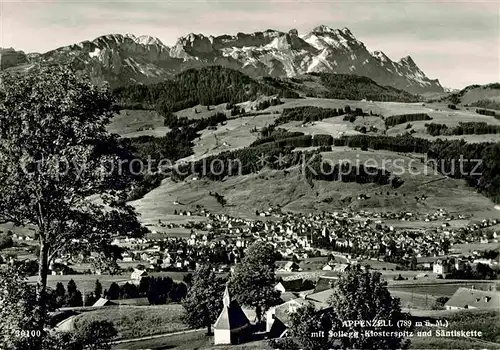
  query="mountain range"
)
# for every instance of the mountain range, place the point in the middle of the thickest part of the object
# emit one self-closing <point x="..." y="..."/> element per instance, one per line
<point x="128" y="59"/>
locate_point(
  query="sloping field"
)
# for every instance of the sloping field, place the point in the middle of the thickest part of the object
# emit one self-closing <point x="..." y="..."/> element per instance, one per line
<point x="133" y="123"/>
<point x="233" y="135"/>
<point x="384" y="108"/>
<point x="84" y="282"/>
<point x="476" y="94"/>
<point x="138" y="321"/>
<point x="201" y="111"/>
<point x="440" y="114"/>
<point x="331" y="126"/>
<point x="269" y="188"/>
<point x="245" y="194"/>
<point x="411" y="300"/>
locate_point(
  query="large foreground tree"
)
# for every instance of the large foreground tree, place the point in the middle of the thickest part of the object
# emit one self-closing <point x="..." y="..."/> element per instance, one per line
<point x="362" y="296"/>
<point x="19" y="330"/>
<point x="60" y="170"/>
<point x="203" y="302"/>
<point x="253" y="280"/>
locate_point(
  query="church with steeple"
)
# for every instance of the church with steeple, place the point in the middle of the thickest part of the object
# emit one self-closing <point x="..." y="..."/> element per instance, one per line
<point x="232" y="325"/>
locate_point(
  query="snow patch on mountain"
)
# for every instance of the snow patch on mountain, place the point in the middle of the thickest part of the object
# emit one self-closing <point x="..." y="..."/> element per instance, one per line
<point x="122" y="59"/>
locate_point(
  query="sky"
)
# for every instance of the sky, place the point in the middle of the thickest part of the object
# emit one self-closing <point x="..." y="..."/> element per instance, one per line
<point x="457" y="42"/>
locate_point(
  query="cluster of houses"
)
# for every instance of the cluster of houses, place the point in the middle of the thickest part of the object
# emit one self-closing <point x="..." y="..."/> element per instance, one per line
<point x="222" y="239"/>
<point x="461" y="263"/>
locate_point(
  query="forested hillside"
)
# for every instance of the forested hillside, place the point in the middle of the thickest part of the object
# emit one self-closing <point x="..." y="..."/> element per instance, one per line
<point x="207" y="86"/>
<point x="355" y="87"/>
<point x="215" y="84"/>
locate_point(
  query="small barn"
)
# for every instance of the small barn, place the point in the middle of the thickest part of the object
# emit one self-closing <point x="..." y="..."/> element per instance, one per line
<point x="103" y="302"/>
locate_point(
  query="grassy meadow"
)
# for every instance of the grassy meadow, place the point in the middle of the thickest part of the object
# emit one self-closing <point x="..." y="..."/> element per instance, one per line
<point x="138" y="321"/>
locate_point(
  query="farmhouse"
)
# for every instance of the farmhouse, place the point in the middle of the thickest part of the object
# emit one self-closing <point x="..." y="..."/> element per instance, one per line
<point x="293" y="285"/>
<point x="277" y="317"/>
<point x="103" y="302"/>
<point x="466" y="298"/>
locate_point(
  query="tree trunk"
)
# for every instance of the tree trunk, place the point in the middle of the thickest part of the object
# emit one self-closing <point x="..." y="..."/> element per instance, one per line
<point x="41" y="288"/>
<point x="258" y="314"/>
<point x="208" y="322"/>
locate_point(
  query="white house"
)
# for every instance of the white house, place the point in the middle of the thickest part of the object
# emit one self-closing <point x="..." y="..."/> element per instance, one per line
<point x="441" y="267"/>
<point x="137" y="275"/>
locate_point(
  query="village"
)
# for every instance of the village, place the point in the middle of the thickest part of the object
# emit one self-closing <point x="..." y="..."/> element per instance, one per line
<point x="337" y="241"/>
<point x="352" y="236"/>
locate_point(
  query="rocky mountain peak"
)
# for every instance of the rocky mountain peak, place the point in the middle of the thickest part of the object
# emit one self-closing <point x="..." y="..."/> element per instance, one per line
<point x="125" y="59"/>
<point x="380" y="55"/>
<point x="408" y="61"/>
<point x="323" y="29"/>
<point x="148" y="40"/>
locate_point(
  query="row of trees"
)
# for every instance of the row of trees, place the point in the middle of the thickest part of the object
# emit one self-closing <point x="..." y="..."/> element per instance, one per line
<point x="405" y="118"/>
<point x="486" y="104"/>
<point x="312" y="113"/>
<point x="242" y="161"/>
<point x="268" y="103"/>
<point x="487" y="112"/>
<point x="464" y="128"/>
<point x="158" y="290"/>
<point x="404" y="143"/>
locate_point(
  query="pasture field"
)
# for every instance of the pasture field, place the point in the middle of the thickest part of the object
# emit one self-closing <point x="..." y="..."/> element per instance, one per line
<point x="446" y="343"/>
<point x="187" y="341"/>
<point x="412" y="300"/>
<point x="436" y="288"/>
<point x="426" y="225"/>
<point x="201" y="111"/>
<point x="476" y="94"/>
<point x="84" y="282"/>
<point x="291" y="191"/>
<point x="383" y="108"/>
<point x="236" y="133"/>
<point x="87" y="282"/>
<point x="138" y="321"/>
<point x="470" y="247"/>
<point x="134" y="123"/>
<point x="28" y="230"/>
